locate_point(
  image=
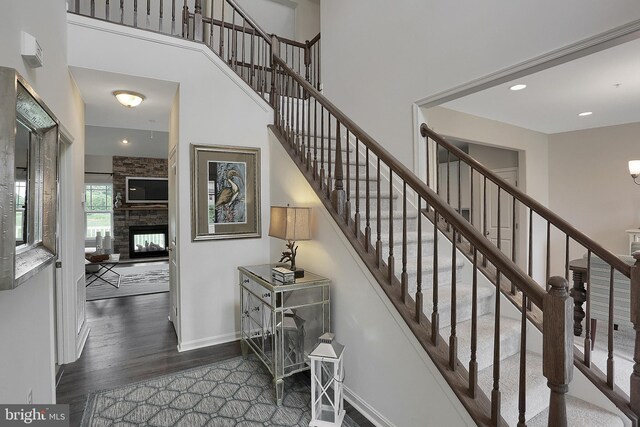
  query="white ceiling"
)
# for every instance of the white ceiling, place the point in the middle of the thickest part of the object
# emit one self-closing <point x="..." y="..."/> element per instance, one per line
<point x="554" y="97"/>
<point x="107" y="141"/>
<point x="102" y="108"/>
<point x="107" y="122"/>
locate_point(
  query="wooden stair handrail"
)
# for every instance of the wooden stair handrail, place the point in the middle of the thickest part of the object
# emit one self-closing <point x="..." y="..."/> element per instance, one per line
<point x="533" y="204"/>
<point x="525" y="283"/>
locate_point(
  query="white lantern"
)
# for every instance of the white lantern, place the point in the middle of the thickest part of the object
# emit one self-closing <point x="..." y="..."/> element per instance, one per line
<point x="327" y="374"/>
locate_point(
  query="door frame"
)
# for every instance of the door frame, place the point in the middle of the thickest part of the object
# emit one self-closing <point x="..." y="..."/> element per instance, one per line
<point x="479" y="191"/>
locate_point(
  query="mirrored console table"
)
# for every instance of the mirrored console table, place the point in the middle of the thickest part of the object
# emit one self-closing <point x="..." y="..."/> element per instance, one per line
<point x="282" y="323"/>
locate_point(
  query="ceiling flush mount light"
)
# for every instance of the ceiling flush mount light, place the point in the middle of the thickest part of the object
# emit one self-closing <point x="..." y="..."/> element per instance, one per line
<point x="128" y="99"/>
<point x="586" y="113"/>
<point x="634" y="170"/>
<point x="125" y="141"/>
<point x="518" y="87"/>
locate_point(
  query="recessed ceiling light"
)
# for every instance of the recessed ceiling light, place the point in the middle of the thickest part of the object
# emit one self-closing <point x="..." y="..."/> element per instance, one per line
<point x="125" y="141"/>
<point x="586" y="113"/>
<point x="518" y="87"/>
<point x="128" y="98"/>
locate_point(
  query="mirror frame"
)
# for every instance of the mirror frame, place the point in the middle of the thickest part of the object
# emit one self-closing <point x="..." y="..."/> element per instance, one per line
<point x="18" y="99"/>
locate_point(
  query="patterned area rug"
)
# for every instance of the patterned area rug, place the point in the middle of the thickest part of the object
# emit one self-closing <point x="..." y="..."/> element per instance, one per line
<point x="235" y="392"/>
<point x="135" y="282"/>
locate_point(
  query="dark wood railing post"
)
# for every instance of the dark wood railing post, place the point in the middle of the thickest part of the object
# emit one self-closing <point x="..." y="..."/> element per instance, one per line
<point x="275" y="51"/>
<point x="338" y="196"/>
<point x="197" y="21"/>
<point x="307" y="60"/>
<point x="634" y="393"/>
<point x="185" y="20"/>
<point x="557" y="347"/>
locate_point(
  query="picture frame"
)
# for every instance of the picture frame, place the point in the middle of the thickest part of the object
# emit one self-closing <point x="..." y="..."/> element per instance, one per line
<point x="225" y="197"/>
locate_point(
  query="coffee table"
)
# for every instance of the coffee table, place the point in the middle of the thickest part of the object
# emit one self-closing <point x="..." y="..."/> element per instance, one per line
<point x="104" y="267"/>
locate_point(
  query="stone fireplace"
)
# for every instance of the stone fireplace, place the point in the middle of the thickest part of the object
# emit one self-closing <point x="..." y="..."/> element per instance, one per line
<point x="131" y="215"/>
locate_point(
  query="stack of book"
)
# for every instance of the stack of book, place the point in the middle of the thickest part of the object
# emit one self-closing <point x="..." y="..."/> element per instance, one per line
<point x="282" y="275"/>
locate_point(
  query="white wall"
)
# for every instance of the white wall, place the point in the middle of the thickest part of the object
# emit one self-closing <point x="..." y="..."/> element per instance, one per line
<point x="590" y="185"/>
<point x="273" y="16"/>
<point x="26" y="313"/>
<point x="216" y="108"/>
<point x="307" y="19"/>
<point x="386" y="368"/>
<point x="378" y="57"/>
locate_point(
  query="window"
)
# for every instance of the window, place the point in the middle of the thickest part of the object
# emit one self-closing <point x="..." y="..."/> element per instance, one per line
<point x="98" y="210"/>
<point x="21" y="198"/>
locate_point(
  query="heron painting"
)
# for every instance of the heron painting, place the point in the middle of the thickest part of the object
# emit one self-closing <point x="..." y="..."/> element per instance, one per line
<point x="227" y="201"/>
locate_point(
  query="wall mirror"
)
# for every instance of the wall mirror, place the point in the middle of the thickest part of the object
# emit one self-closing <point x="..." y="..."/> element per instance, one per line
<point x="28" y="181"/>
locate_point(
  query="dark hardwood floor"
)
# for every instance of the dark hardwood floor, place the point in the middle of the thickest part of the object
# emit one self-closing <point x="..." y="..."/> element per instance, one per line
<point x="132" y="340"/>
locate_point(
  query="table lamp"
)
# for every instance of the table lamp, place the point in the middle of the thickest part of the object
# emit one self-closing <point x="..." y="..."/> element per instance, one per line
<point x="290" y="224"/>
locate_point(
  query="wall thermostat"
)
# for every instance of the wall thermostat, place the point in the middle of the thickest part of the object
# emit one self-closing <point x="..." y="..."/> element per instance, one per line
<point x="31" y="51"/>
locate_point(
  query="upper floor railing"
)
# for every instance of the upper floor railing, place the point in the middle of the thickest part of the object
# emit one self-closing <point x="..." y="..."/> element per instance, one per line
<point x="220" y="24"/>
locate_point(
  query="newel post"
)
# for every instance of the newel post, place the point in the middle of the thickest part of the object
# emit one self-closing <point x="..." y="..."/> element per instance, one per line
<point x="557" y="347"/>
<point x="634" y="400"/>
<point x="197" y="21"/>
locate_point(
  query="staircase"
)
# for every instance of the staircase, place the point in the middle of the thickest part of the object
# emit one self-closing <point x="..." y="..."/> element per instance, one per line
<point x="503" y="341"/>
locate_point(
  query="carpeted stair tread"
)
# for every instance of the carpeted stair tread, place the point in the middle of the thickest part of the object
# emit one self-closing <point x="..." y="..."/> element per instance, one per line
<point x="580" y="413"/>
<point x="509" y="339"/>
<point x="536" y="386"/>
<point x="463" y="301"/>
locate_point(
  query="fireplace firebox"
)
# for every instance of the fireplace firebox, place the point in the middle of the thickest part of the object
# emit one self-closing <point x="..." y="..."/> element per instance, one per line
<point x="147" y="241"/>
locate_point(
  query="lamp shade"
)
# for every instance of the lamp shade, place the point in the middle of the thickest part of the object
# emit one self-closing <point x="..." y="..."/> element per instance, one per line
<point x="634" y="168"/>
<point x="289" y="223"/>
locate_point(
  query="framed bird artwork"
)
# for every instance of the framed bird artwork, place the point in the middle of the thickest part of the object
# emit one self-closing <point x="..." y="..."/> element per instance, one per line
<point x="225" y="192"/>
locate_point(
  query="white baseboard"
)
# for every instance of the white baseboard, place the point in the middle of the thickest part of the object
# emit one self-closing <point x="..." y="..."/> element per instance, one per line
<point x="207" y="342"/>
<point x="365" y="409"/>
<point x="83" y="335"/>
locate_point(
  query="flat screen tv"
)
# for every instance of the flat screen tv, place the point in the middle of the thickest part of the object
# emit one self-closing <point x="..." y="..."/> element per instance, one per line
<point x="147" y="190"/>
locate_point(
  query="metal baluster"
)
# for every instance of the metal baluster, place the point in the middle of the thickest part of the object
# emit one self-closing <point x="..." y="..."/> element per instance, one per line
<point x="329" y="169"/>
<point x="495" y="392"/>
<point x="587" y="333"/>
<point x="379" y="217"/>
<point x="77" y="6"/>
<point x="122" y="10"/>
<point x="367" y="229"/>
<point x="222" y="30"/>
<point x="303" y="135"/>
<point x="530" y="260"/>
<point x="548" y="270"/>
<point x="453" y="339"/>
<point x="435" y="316"/>
<point x="308" y="101"/>
<point x="610" y="363"/>
<point x="566" y="258"/>
<point x="499" y="222"/>
<point x="161" y="15"/>
<point x="522" y="381"/>
<point x="356" y="221"/>
<point x="484" y="215"/>
<point x="135" y="13"/>
<point x="471" y="196"/>
<point x="419" y="296"/>
<point x="93" y="8"/>
<point x="347" y="206"/>
<point x="513" y="239"/>
<point x="473" y="362"/>
<point x="185" y="19"/>
<point x="391" y="260"/>
<point x="148" y="21"/>
<point x="252" y="74"/>
<point x="243" y="61"/>
<point x="404" y="277"/>
<point x="234" y="41"/>
<point x="173" y="16"/>
<point x="106" y="10"/>
<point x="321" y="146"/>
<point x="315" y="138"/>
